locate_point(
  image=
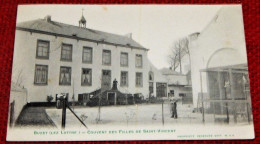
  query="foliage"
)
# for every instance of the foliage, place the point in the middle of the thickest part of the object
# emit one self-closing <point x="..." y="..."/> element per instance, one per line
<point x="179" y="49"/>
<point x="49" y="98"/>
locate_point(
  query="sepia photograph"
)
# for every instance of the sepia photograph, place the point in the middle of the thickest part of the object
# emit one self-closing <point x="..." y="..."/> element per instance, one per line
<point x="129" y="72"/>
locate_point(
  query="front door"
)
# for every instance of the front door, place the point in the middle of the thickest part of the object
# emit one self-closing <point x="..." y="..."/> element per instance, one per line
<point x="111" y="97"/>
<point x="106" y="80"/>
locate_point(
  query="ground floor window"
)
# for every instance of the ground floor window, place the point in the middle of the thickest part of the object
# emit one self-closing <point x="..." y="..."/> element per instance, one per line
<point x="41" y="74"/>
<point x="86" y="77"/>
<point x="139" y="79"/>
<point x="65" y="75"/>
<point x="124" y="78"/>
<point x="161" y="90"/>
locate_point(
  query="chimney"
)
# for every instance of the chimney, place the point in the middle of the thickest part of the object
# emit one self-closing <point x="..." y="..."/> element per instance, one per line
<point x="47" y="18"/>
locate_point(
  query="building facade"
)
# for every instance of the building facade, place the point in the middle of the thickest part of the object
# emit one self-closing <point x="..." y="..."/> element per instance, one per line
<point x="52" y="58"/>
<point x="179" y="85"/>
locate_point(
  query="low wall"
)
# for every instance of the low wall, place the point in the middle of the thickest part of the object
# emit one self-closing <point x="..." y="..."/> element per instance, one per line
<point x="18" y="99"/>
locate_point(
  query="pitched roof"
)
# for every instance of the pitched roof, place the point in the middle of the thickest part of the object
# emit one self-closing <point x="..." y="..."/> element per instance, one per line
<point x="71" y="31"/>
<point x="167" y="71"/>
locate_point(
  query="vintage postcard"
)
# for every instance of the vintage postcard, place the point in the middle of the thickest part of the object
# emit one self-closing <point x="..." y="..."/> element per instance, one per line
<point x="129" y="72"/>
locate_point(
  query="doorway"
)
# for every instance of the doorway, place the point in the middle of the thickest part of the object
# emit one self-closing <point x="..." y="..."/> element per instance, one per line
<point x="111" y="98"/>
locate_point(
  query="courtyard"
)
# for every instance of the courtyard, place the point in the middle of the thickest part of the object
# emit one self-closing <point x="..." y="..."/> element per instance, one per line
<point x="130" y="115"/>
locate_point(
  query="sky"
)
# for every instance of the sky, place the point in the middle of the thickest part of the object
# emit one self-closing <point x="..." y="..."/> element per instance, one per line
<point x="155" y="27"/>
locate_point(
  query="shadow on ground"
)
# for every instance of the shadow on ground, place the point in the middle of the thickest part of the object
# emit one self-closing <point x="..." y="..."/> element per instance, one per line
<point x="34" y="116"/>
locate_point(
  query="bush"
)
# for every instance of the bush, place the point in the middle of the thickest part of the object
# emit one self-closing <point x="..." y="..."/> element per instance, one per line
<point x="49" y="98"/>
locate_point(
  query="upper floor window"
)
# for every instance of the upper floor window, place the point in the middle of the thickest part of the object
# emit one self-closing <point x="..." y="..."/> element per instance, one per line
<point x="66" y="52"/>
<point x="124" y="59"/>
<point x="41" y="74"/>
<point x="138" y="61"/>
<point x="106" y="57"/>
<point x="86" y="77"/>
<point x="124" y="78"/>
<point x="65" y="75"/>
<point x="87" y="55"/>
<point x="139" y="79"/>
<point x="43" y="48"/>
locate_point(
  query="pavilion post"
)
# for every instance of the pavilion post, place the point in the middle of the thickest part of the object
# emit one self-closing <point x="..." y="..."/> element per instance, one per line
<point x="232" y="94"/>
<point x="220" y="91"/>
<point x="202" y="99"/>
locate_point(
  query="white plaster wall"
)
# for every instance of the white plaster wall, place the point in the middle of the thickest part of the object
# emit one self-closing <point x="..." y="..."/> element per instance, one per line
<point x="158" y="78"/>
<point x="25" y="60"/>
<point x="178" y="90"/>
<point x="222" y="41"/>
<point x="19" y="97"/>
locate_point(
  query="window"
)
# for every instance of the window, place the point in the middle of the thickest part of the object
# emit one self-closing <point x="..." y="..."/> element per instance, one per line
<point x="172" y="92"/>
<point x="150" y="88"/>
<point x="124" y="78"/>
<point x="41" y="74"/>
<point x="66" y="52"/>
<point x="139" y="79"/>
<point x="124" y="59"/>
<point x="138" y="61"/>
<point x="106" y="57"/>
<point x="150" y="76"/>
<point x="42" y="49"/>
<point x="181" y="94"/>
<point x="161" y="89"/>
<point x="86" y="76"/>
<point x="65" y="75"/>
<point x="87" y="55"/>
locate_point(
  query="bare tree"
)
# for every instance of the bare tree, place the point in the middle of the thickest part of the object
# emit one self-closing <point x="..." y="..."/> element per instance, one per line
<point x="18" y="79"/>
<point x="179" y="49"/>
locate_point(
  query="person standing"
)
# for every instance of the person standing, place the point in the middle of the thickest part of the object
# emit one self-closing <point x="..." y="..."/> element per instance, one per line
<point x="171" y="109"/>
<point x="174" y="110"/>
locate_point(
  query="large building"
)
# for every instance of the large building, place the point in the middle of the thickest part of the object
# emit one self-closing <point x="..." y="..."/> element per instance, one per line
<point x="51" y="58"/>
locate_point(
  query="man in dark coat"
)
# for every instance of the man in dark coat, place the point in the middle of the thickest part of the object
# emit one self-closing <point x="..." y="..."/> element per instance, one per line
<point x="174" y="110"/>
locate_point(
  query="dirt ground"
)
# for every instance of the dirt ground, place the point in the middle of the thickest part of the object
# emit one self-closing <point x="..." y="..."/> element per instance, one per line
<point x="128" y="115"/>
